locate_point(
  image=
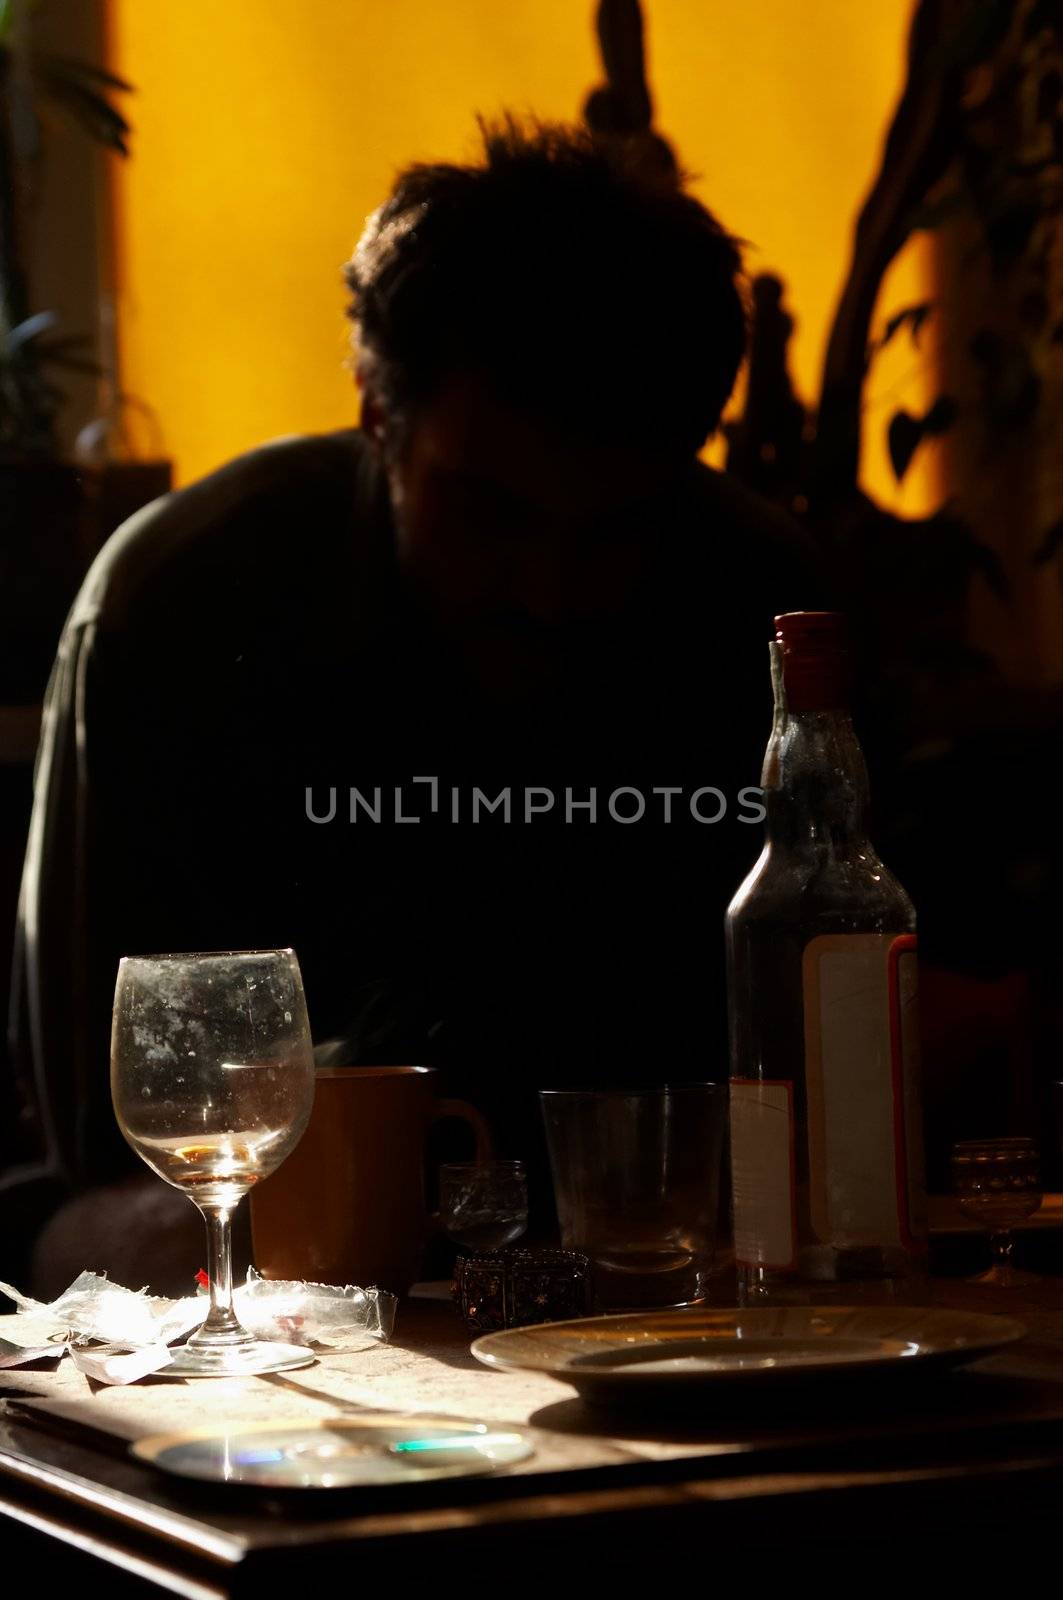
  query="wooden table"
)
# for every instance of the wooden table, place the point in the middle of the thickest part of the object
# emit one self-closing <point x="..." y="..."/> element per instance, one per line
<point x="934" y="1463"/>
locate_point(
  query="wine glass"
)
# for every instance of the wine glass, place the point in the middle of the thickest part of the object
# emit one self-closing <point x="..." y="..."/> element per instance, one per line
<point x="483" y="1204"/>
<point x="212" y="1080"/>
<point x="998" y="1182"/>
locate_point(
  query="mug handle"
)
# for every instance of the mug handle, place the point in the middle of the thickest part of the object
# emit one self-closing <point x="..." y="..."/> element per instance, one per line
<point x="462" y="1111"/>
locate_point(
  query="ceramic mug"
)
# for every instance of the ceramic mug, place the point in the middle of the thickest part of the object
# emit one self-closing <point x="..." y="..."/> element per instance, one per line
<point x="348" y="1205"/>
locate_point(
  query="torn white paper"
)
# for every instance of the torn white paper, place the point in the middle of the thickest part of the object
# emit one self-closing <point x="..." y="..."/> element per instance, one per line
<point x="118" y="1364"/>
<point x="118" y="1335"/>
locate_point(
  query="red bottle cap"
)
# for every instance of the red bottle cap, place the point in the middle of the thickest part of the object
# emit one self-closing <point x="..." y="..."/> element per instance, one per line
<point x="815" y="659"/>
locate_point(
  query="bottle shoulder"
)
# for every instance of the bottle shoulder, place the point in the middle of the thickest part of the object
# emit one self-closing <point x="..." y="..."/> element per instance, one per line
<point x="853" y="891"/>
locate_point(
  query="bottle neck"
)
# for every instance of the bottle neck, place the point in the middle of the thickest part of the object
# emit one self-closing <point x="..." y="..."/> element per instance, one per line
<point x="815" y="784"/>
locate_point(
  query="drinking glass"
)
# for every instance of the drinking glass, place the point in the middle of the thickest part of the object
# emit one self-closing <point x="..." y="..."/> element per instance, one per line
<point x="998" y="1182"/>
<point x="212" y="1080"/>
<point x="484" y="1204"/>
<point x="637" y="1182"/>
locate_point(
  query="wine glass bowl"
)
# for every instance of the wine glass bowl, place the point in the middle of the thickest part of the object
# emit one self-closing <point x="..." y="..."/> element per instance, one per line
<point x="998" y="1184"/>
<point x="212" y="1081"/>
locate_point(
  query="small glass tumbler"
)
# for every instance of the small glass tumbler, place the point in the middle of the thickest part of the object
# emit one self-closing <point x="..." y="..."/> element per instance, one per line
<point x="998" y="1183"/>
<point x="637" y="1183"/>
<point x="483" y="1205"/>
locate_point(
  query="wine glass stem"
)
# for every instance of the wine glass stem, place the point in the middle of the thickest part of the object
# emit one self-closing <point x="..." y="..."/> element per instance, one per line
<point x="1000" y="1242"/>
<point x="221" y="1326"/>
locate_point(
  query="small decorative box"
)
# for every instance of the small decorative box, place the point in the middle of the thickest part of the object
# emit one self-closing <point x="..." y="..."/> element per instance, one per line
<point x="512" y="1288"/>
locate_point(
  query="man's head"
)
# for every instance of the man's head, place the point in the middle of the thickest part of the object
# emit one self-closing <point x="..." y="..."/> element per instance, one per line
<point x="545" y="341"/>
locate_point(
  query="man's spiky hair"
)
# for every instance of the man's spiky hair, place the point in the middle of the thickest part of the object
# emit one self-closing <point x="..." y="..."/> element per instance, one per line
<point x="593" y="291"/>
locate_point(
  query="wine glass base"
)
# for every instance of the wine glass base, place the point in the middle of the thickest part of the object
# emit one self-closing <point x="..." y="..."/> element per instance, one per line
<point x="1005" y="1278"/>
<point x="240" y="1361"/>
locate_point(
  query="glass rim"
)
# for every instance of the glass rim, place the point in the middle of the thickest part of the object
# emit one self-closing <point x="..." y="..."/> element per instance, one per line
<point x="205" y="955"/>
<point x="482" y="1166"/>
<point x="1012" y="1142"/>
<point x="383" y="1071"/>
<point x="636" y="1091"/>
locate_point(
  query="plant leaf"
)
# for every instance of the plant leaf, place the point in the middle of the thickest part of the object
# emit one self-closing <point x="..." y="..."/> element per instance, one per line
<point x="1041" y="15"/>
<point x="1049" y="91"/>
<point x="903" y="437"/>
<point x="1008" y="228"/>
<point x="69" y="343"/>
<point x="934" y="212"/>
<point x="914" y="316"/>
<point x="985" y="560"/>
<point x="941" y="416"/>
<point x="1050" y="544"/>
<point x="1034" y="309"/>
<point x="69" y="68"/>
<point x="23" y="332"/>
<point x="980" y="29"/>
<point x="96" y="115"/>
<point x="49" y="358"/>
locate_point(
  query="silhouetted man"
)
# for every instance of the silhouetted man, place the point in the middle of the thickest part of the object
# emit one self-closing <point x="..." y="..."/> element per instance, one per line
<point x="307" y="676"/>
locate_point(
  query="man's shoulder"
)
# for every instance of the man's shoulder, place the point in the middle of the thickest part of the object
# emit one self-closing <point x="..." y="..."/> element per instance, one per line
<point x="755" y="536"/>
<point x="742" y="509"/>
<point x="306" y="493"/>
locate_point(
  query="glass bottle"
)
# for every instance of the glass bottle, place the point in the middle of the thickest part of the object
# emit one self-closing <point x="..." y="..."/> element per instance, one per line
<point x="826" y="1128"/>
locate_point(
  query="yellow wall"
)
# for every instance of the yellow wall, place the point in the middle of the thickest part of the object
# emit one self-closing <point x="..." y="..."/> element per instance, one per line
<point x="265" y="131"/>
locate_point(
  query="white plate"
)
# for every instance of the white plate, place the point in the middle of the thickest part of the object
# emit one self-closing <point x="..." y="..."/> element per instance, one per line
<point x="652" y="1355"/>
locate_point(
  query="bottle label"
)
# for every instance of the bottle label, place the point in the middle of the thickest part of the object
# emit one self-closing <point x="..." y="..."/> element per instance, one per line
<point x="861" y="1065"/>
<point x="762" y="1172"/>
